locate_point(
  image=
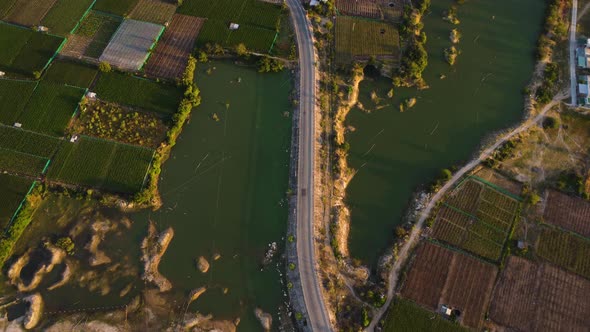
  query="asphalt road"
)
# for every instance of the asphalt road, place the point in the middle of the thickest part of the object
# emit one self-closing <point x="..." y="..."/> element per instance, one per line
<point x="306" y="260"/>
<point x="573" y="82"/>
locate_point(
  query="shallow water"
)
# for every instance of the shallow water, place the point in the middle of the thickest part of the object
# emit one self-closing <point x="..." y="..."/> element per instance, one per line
<point x="396" y="153"/>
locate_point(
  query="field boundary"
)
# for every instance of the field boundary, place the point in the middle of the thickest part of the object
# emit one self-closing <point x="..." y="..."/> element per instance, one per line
<point x="495" y="187"/>
<point x="152" y="47"/>
<point x="20" y="206"/>
<point x="82" y="18"/>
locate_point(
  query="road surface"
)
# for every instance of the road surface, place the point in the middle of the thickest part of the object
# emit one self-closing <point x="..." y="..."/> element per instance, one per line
<point x="306" y="260"/>
<point x="573" y="81"/>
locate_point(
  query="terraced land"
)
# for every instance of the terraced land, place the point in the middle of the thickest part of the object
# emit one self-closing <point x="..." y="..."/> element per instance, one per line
<point x="566" y="250"/>
<point x="25" y="51"/>
<point x="101" y="164"/>
<point x="13" y="98"/>
<point x="439" y="276"/>
<point x="362" y="39"/>
<point x="129" y="48"/>
<point x="92" y="36"/>
<point x="137" y="92"/>
<point x="12" y="192"/>
<point x="478" y="218"/>
<point x="50" y="108"/>
<point x="567" y="212"/>
<point x="540" y="297"/>
<point x="70" y="73"/>
<point x="258" y="22"/>
<point x="171" y="55"/>
<point x="28" y="12"/>
<point x="154" y="11"/>
<point x="117" y="7"/>
<point x="64" y="15"/>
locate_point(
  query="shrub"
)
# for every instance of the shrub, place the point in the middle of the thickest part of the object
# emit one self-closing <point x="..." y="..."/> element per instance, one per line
<point x="66" y="244"/>
<point x="104" y="67"/>
<point x="241" y="49"/>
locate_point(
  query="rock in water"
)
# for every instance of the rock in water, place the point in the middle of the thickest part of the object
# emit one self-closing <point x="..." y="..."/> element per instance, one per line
<point x="202" y="264"/>
<point x="33" y="315"/>
<point x="153" y="248"/>
<point x="264" y="318"/>
<point x="195" y="293"/>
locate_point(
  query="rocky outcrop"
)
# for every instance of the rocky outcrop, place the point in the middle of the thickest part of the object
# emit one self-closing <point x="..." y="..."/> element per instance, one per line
<point x="203" y="264"/>
<point x="264" y="318"/>
<point x="33" y="314"/>
<point x="65" y="277"/>
<point x="153" y="248"/>
<point x="56" y="256"/>
<point x="195" y="293"/>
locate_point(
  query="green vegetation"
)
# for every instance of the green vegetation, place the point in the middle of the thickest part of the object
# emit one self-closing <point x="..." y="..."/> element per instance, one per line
<point x="50" y="108"/>
<point x="64" y="15"/>
<point x="363" y="38"/>
<point x="12" y="192"/>
<point x="547" y="89"/>
<point x="101" y="164"/>
<point x="138" y="92"/>
<point x="71" y="73"/>
<point x="267" y="65"/>
<point x="405" y="315"/>
<point x="451" y="55"/>
<point x="28" y="142"/>
<point x="566" y="250"/>
<point x="21" y="163"/>
<point x="25" y="51"/>
<point x="100" y="28"/>
<point x="66" y="244"/>
<point x="217" y="32"/>
<point x="555" y="28"/>
<point x="117" y="7"/>
<point x="13" y="98"/>
<point x="18" y="225"/>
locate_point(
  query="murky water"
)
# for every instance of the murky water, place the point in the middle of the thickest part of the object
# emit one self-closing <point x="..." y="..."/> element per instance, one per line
<point x="395" y="153"/>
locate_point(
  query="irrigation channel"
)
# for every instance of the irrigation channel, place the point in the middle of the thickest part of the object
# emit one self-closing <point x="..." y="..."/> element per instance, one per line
<point x="396" y="153"/>
<point x="224" y="190"/>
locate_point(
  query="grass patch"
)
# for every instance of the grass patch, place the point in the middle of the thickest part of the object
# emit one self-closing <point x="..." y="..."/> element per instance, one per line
<point x="405" y="315"/>
<point x="566" y="250"/>
<point x="101" y="164"/>
<point x="13" y="98"/>
<point x="64" y="15"/>
<point x="28" y="142"/>
<point x="71" y="73"/>
<point x="117" y="7"/>
<point x="12" y="191"/>
<point x="50" y="108"/>
<point x="364" y="38"/>
<point x="136" y="92"/>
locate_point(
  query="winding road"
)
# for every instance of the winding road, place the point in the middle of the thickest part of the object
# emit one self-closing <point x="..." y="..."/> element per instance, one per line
<point x="306" y="259"/>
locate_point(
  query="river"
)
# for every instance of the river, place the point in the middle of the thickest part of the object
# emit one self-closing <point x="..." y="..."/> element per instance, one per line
<point x="398" y="153"/>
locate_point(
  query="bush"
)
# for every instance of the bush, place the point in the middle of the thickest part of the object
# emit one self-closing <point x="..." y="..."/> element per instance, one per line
<point x="104" y="67"/>
<point x="66" y="244"/>
<point x="241" y="49"/>
<point x="550" y="123"/>
<point x="266" y="65"/>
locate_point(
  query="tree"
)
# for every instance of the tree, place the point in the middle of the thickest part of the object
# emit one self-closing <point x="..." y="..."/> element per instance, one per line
<point x="241" y="49"/>
<point x="203" y="57"/>
<point x="104" y="67"/>
<point x="66" y="244"/>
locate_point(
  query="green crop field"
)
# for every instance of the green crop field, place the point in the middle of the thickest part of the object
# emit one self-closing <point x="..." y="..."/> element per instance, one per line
<point x="154" y="11"/>
<point x="101" y="164"/>
<point x="254" y="38"/>
<point x="405" y="315"/>
<point x="50" y="108"/>
<point x="566" y="250"/>
<point x="363" y="38"/>
<point x="64" y="15"/>
<point x="13" y="98"/>
<point x="117" y="7"/>
<point x="99" y="28"/>
<point x="138" y="92"/>
<point x="21" y="163"/>
<point x="71" y="73"/>
<point x="28" y="142"/>
<point x="12" y="191"/>
<point x="24" y="51"/>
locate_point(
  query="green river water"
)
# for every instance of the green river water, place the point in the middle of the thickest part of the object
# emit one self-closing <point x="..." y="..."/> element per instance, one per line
<point x="395" y="153"/>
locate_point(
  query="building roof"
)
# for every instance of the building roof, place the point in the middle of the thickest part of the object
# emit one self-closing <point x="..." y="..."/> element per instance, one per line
<point x="583" y="89"/>
<point x="581" y="61"/>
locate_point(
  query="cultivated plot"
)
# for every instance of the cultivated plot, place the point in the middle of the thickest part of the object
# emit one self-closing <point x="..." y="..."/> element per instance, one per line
<point x="70" y="73"/>
<point x="571" y="213"/>
<point x="13" y="98"/>
<point x="540" y="297"/>
<point x="28" y="12"/>
<point x="130" y="45"/>
<point x="20" y="163"/>
<point x="92" y="36"/>
<point x="439" y="276"/>
<point x="364" y="8"/>
<point x="478" y="218"/>
<point x="359" y="38"/>
<point x="64" y="15"/>
<point x="565" y="250"/>
<point x="117" y="7"/>
<point x="170" y="57"/>
<point x="406" y="315"/>
<point x="12" y="192"/>
<point x="154" y="11"/>
<point x="101" y="164"/>
<point x="28" y="142"/>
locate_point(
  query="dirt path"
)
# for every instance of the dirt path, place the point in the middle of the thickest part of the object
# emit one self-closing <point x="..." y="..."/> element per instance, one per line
<point x="416" y="230"/>
<point x="583" y="11"/>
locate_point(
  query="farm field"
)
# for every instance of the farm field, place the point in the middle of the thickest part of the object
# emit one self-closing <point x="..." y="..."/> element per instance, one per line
<point x="130" y="45"/>
<point x="64" y="15"/>
<point x="13" y="98"/>
<point x="359" y="38"/>
<point x="28" y="142"/>
<point x="540" y="297"/>
<point x="20" y="163"/>
<point x="101" y="164"/>
<point x="12" y="191"/>
<point x="405" y="315"/>
<point x="154" y="11"/>
<point x="477" y="218"/>
<point x="92" y="36"/>
<point x="364" y="8"/>
<point x="137" y="92"/>
<point x="5" y="6"/>
<point x="218" y="32"/>
<point x="28" y="12"/>
<point x="50" y="108"/>
<point x="117" y="7"/>
<point x="440" y="276"/>
<point x="565" y="250"/>
<point x="70" y="73"/>
<point x="571" y="213"/>
<point x="25" y="51"/>
<point x="170" y="57"/>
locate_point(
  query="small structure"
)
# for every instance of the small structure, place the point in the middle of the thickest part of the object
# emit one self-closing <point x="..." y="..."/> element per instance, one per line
<point x="91" y="95"/>
<point x="74" y="138"/>
<point x="234" y="26"/>
<point x="18" y="125"/>
<point x="2" y="73"/>
<point x="521" y="244"/>
<point x="446" y="310"/>
<point x="42" y="28"/>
